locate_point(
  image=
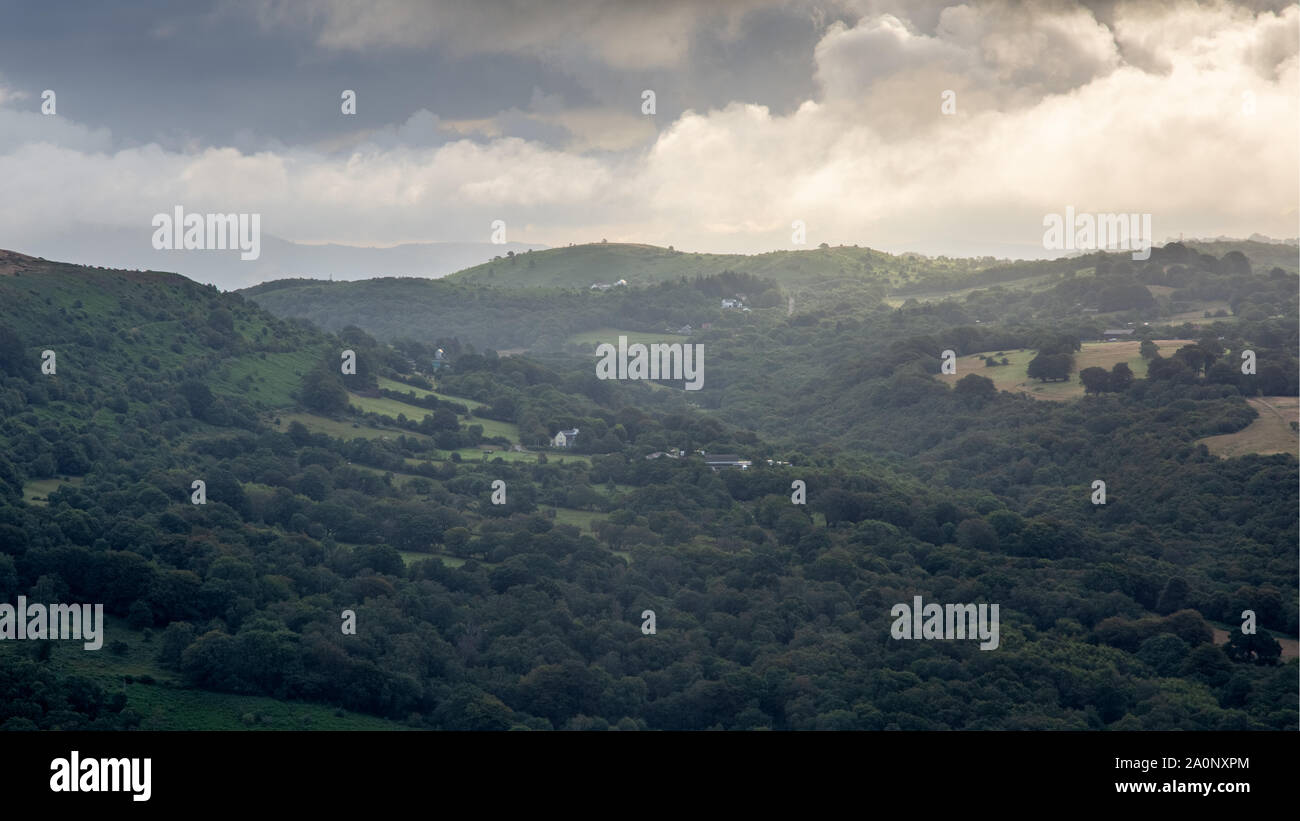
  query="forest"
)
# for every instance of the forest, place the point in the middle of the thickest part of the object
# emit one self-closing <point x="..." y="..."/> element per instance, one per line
<point x="372" y="492"/>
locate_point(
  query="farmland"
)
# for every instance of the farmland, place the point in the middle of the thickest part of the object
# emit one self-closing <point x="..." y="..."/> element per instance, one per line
<point x="1271" y="432"/>
<point x="1014" y="377"/>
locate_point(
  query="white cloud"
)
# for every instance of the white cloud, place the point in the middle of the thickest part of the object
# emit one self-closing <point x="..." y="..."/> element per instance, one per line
<point x="1068" y="119"/>
<point x="8" y="94"/>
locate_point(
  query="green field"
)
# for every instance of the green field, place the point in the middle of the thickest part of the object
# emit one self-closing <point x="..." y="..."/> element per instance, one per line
<point x="387" y="407"/>
<point x="1270" y="432"/>
<point x="37" y="491"/>
<point x="1014" y="376"/>
<point x="344" y="430"/>
<point x="476" y="455"/>
<point x="392" y="407"/>
<point x="581" y="519"/>
<point x="412" y="556"/>
<point x="1039" y="282"/>
<point x="271" y="378"/>
<point x="394" y="385"/>
<point x="399" y="479"/>
<point x="493" y="427"/>
<point x="611" y="336"/>
<point x="167" y="704"/>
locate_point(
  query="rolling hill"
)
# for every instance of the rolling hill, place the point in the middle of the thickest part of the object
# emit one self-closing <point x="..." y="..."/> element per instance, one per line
<point x="580" y="266"/>
<point x="504" y="589"/>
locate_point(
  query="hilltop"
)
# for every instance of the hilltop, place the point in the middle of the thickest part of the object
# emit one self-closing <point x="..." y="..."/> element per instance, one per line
<point x="579" y="266"/>
<point x="497" y="581"/>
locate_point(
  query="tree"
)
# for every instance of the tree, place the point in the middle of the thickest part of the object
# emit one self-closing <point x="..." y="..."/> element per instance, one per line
<point x="11" y="351"/>
<point x="1165" y="653"/>
<point x="175" y="639"/>
<point x="975" y="386"/>
<point x="1148" y="349"/>
<point x="198" y="396"/>
<point x="1207" y="663"/>
<point x="457" y="542"/>
<point x="1121" y="377"/>
<point x="1172" y="370"/>
<point x="977" y="534"/>
<point x="1125" y="297"/>
<point x="1095" y="380"/>
<point x="1192" y="356"/>
<point x="1174" y="596"/>
<point x="1259" y="648"/>
<point x="323" y="392"/>
<point x="1051" y="367"/>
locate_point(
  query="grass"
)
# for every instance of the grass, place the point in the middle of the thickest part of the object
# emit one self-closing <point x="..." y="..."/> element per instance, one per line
<point x="412" y="556"/>
<point x="493" y="427"/>
<point x="1031" y="283"/>
<point x="611" y="336"/>
<point x="579" y="266"/>
<point x="469" y="403"/>
<point x="394" y="385"/>
<point x="271" y="381"/>
<point x="399" y="479"/>
<point x="1290" y="646"/>
<point x="37" y="491"/>
<point x="392" y="407"/>
<point x="344" y="430"/>
<point x="168" y="704"/>
<point x="476" y="455"/>
<point x="420" y="392"/>
<point x="1197" y="316"/>
<point x="1014" y="377"/>
<point x="388" y="407"/>
<point x="584" y="520"/>
<point x="1269" y="433"/>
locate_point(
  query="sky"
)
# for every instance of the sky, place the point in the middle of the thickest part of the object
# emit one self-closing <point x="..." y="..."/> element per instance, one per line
<point x="766" y="112"/>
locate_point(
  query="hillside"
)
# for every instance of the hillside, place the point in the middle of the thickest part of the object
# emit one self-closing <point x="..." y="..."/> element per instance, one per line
<point x="580" y="266"/>
<point x="543" y="301"/>
<point x="495" y="582"/>
<point x="434" y="312"/>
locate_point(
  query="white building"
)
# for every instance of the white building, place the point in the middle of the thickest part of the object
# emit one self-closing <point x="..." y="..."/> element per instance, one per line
<point x="565" y="438"/>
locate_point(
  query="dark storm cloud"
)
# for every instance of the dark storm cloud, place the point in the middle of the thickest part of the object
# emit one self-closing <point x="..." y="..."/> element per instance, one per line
<point x="768" y="111"/>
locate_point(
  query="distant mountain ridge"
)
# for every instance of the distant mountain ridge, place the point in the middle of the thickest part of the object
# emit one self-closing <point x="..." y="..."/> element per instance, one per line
<point x="128" y="248"/>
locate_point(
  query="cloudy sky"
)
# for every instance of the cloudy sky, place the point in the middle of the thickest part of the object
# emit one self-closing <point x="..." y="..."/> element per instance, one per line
<point x="766" y="112"/>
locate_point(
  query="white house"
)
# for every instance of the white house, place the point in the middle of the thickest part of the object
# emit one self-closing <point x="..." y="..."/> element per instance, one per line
<point x="565" y="438"/>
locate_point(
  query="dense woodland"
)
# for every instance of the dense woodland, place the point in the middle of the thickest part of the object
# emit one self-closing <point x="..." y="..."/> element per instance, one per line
<point x="770" y="615"/>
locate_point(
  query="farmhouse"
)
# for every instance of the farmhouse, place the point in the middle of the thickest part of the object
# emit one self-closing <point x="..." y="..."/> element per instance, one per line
<point x="1113" y="334"/>
<point x="565" y="438"/>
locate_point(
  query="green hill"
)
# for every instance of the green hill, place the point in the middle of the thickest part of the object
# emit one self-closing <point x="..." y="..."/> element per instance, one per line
<point x="108" y="327"/>
<point x="581" y="266"/>
<point x="497" y="583"/>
